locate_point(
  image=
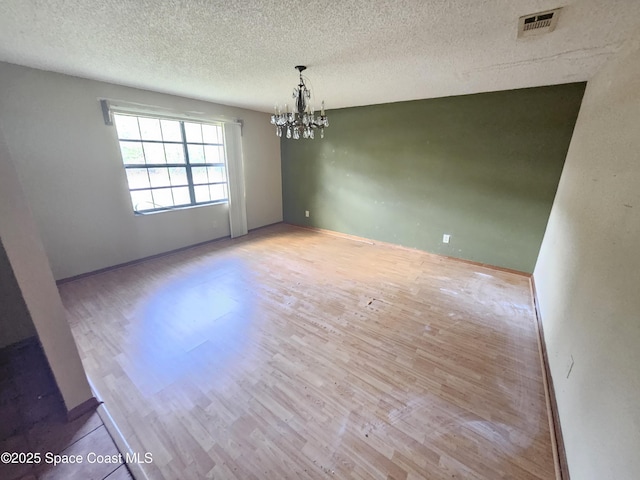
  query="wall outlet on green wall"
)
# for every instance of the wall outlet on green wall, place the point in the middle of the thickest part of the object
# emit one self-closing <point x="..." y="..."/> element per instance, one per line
<point x="306" y="213"/>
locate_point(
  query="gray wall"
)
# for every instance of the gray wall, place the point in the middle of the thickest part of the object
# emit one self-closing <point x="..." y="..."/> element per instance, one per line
<point x="588" y="279"/>
<point x="15" y="321"/>
<point x="70" y="168"/>
<point x="482" y="168"/>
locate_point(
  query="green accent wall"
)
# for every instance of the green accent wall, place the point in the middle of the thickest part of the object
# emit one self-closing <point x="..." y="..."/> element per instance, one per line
<point x="483" y="168"/>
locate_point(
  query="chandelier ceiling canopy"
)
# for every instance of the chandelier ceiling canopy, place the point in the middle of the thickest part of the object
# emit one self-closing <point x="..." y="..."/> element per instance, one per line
<point x="301" y="121"/>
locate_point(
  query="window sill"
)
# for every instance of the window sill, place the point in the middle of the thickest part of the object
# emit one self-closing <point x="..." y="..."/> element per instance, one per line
<point x="186" y="207"/>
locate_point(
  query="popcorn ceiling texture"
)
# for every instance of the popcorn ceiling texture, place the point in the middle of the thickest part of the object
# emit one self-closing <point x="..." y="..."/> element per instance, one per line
<point x="243" y="52"/>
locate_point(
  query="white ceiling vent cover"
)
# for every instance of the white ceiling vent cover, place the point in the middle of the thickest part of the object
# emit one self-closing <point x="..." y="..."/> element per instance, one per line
<point x="538" y="23"/>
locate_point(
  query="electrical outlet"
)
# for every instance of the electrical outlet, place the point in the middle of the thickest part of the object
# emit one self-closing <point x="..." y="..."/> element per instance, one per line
<point x="445" y="238"/>
<point x="306" y="213"/>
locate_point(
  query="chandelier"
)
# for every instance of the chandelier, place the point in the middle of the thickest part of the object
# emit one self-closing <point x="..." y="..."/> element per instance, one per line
<point x="301" y="121"/>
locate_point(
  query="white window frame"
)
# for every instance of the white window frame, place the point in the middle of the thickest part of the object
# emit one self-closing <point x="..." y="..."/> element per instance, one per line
<point x="233" y="147"/>
<point x="191" y="183"/>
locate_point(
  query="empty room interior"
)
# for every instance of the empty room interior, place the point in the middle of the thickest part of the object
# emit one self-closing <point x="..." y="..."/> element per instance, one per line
<point x="314" y="240"/>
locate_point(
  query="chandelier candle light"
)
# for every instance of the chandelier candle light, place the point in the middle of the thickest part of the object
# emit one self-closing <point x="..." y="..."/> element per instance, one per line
<point x="302" y="120"/>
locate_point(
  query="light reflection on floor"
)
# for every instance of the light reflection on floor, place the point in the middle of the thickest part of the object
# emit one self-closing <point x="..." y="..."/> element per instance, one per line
<point x="194" y="322"/>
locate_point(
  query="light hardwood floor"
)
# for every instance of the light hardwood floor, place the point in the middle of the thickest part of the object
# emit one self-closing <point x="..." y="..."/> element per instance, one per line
<point x="291" y="353"/>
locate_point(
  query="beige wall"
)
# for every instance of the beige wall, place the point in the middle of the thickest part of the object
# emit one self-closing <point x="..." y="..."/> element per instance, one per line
<point x="26" y="255"/>
<point x="72" y="175"/>
<point x="588" y="279"/>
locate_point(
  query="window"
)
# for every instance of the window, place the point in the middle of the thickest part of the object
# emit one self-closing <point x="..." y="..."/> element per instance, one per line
<point x="171" y="163"/>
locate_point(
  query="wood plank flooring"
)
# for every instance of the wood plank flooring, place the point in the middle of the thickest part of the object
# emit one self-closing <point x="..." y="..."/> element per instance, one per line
<point x="290" y="353"/>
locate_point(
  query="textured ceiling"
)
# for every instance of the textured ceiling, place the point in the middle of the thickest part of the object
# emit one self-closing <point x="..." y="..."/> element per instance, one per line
<point x="359" y="52"/>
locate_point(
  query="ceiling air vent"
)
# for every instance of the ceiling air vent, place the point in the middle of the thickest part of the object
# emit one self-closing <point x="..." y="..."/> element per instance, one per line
<point x="537" y="23"/>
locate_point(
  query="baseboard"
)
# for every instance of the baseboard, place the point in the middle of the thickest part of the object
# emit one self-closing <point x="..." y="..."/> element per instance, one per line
<point x="393" y="245"/>
<point x="487" y="265"/>
<point x="133" y="262"/>
<point x="134" y="468"/>
<point x="251" y="230"/>
<point x="150" y="257"/>
<point x="84" y="407"/>
<point x="124" y="448"/>
<point x="557" y="441"/>
<point x="347" y="236"/>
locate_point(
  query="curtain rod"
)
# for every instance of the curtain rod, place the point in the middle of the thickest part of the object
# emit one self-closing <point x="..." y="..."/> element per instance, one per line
<point x="110" y="106"/>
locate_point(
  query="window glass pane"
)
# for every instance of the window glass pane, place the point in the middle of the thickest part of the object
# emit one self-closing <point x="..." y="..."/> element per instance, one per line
<point x="142" y="200"/>
<point x="154" y="153"/>
<point x="199" y="175"/>
<point x="193" y="131"/>
<point x="131" y="153"/>
<point x="175" y="153"/>
<point x="181" y="196"/>
<point x="150" y="128"/>
<point x="217" y="174"/>
<point x="159" y="177"/>
<point x="196" y="154"/>
<point x="162" y="198"/>
<point x="171" y="131"/>
<point x="202" y="193"/>
<point x="178" y="176"/>
<point x="218" y="192"/>
<point x="127" y="127"/>
<point x="214" y="154"/>
<point x="146" y="141"/>
<point x="211" y="134"/>
<point x="137" y="178"/>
